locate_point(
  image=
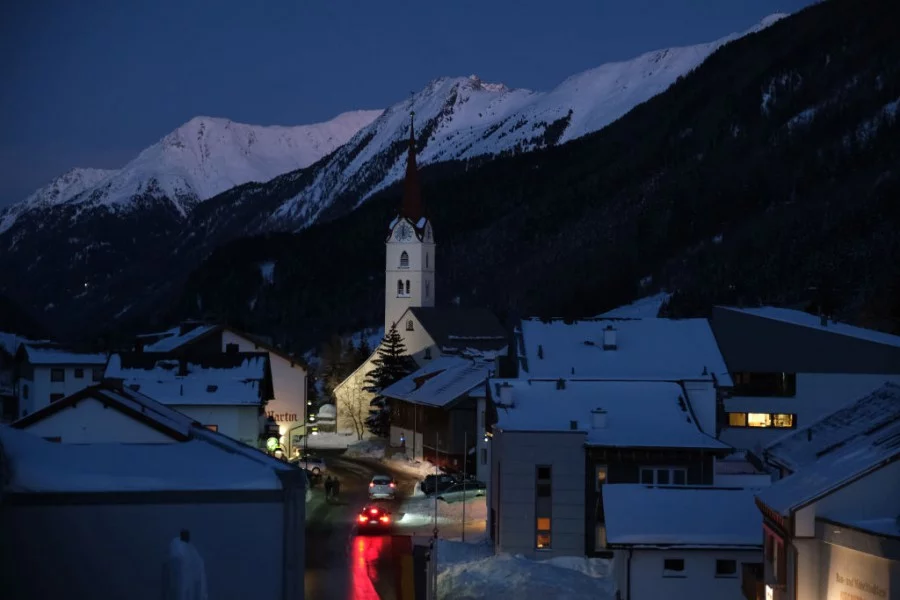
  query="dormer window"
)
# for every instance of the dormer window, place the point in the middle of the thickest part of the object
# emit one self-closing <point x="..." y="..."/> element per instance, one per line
<point x="404" y="260"/>
<point x="409" y="325"/>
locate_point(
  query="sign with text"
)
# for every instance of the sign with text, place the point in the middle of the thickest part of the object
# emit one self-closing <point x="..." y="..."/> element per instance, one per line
<point x="850" y="575"/>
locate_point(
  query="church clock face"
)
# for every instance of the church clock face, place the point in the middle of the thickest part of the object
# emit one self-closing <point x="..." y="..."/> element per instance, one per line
<point x="404" y="232"/>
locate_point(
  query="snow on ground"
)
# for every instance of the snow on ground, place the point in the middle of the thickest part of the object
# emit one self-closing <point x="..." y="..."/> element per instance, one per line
<point x="366" y="448"/>
<point x="331" y="440"/>
<point x="418" y="512"/>
<point x="470" y="571"/>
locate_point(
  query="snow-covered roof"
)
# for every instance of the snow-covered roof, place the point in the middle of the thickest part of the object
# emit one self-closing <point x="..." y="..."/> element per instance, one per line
<point x="174" y="339"/>
<point x="882" y="526"/>
<point x="37" y="465"/>
<point x="236" y="385"/>
<point x="441" y="382"/>
<point x="803" y="446"/>
<point x="462" y="329"/>
<point x="804" y="319"/>
<point x="642" y="308"/>
<point x="849" y="452"/>
<point x="639" y="414"/>
<point x="646" y="349"/>
<point x="641" y="515"/>
<point x="54" y="354"/>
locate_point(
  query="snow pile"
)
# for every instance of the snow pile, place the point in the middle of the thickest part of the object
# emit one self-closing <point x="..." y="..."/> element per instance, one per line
<point x="368" y="448"/>
<point x="464" y="572"/>
<point x="331" y="440"/>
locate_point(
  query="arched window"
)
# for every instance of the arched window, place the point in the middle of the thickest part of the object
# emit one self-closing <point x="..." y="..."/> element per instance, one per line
<point x="426" y="260"/>
<point x="409" y="325"/>
<point x="407" y="287"/>
<point x="404" y="260"/>
<point x="399" y="287"/>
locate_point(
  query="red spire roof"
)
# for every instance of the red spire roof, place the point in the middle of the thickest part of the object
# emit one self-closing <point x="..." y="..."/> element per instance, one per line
<point x="412" y="194"/>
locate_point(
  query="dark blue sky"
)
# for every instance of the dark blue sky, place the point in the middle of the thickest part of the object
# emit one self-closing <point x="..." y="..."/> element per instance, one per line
<point x="90" y="83"/>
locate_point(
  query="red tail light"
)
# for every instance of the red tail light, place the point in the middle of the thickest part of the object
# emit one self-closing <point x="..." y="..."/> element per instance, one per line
<point x="374" y="511"/>
<point x="385" y="519"/>
<point x="362" y="518"/>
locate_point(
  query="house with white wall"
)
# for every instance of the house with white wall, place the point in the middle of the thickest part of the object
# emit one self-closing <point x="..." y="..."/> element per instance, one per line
<point x="288" y="406"/>
<point x="681" y="542"/>
<point x="440" y="412"/>
<point x="224" y="392"/>
<point x="557" y="444"/>
<point x="791" y="368"/>
<point x="47" y="372"/>
<point x="84" y="520"/>
<point x="832" y="523"/>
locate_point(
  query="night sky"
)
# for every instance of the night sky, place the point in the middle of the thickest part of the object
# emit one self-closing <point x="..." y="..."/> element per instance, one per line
<point x="90" y="83"/>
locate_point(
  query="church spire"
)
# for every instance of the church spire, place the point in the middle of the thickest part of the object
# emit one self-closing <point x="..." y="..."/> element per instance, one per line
<point x="412" y="195"/>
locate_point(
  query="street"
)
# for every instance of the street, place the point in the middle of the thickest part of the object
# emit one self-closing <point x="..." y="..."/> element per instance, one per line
<point x="341" y="565"/>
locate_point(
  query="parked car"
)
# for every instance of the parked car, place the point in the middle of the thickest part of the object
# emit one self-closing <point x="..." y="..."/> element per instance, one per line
<point x="464" y="490"/>
<point x="313" y="464"/>
<point x="373" y="517"/>
<point x="382" y="486"/>
<point x="437" y="483"/>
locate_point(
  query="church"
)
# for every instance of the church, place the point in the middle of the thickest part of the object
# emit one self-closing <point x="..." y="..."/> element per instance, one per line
<point x="428" y="332"/>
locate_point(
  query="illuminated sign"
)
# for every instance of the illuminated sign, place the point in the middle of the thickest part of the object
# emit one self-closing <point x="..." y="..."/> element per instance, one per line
<point x="272" y="444"/>
<point x="770" y="593"/>
<point x="283" y="417"/>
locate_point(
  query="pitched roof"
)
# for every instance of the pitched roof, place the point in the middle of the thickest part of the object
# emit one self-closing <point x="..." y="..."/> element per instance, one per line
<point x="132" y="404"/>
<point x="643" y="308"/>
<point x="803" y="446"/>
<point x="173" y="338"/>
<point x="411" y="208"/>
<point x="849" y="452"/>
<point x="441" y="382"/>
<point x="641" y="515"/>
<point x="199" y="464"/>
<point x="804" y="319"/>
<point x="646" y="349"/>
<point x="230" y="379"/>
<point x="639" y="414"/>
<point x="50" y="353"/>
<point x="457" y="328"/>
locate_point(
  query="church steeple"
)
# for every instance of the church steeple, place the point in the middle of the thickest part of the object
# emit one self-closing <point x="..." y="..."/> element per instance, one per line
<point x="411" y="208"/>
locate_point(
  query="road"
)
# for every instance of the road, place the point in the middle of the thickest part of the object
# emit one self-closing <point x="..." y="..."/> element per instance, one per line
<point x="341" y="565"/>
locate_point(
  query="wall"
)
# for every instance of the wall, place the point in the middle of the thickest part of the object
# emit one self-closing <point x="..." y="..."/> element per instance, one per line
<point x="517" y="455"/>
<point x="699" y="581"/>
<point x="289" y="383"/>
<point x="845" y="573"/>
<point x="417" y="340"/>
<point x="115" y="551"/>
<point x="417" y="274"/>
<point x="89" y="422"/>
<point x="237" y="422"/>
<point x="483" y="449"/>
<point x="818" y="394"/>
<point x="350" y="396"/>
<point x="40" y="387"/>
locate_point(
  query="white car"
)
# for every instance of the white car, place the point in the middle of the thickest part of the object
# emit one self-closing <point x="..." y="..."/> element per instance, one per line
<point x="313" y="464"/>
<point x="382" y="486"/>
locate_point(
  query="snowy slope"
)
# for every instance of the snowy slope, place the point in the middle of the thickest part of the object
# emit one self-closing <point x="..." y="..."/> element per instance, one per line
<point x="200" y="159"/>
<point x="462" y="118"/>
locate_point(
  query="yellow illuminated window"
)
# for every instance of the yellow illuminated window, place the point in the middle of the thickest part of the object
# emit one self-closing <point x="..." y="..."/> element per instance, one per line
<point x="543" y="540"/>
<point x="782" y="420"/>
<point x="543" y="523"/>
<point x="737" y="419"/>
<point x="758" y="420"/>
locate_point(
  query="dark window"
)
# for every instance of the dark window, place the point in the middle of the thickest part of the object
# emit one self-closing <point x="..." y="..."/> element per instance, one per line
<point x="79" y="373"/>
<point x="399" y="287"/>
<point x="409" y="325"/>
<point x="673" y="567"/>
<point x="765" y="384"/>
<point x="543" y="473"/>
<point x="428" y="353"/>
<point x="679" y="477"/>
<point x="404" y="260"/>
<point x="232" y="349"/>
<point x="407" y="287"/>
<point x="57" y="374"/>
<point x="647" y="476"/>
<point x="97" y="375"/>
<point x="55" y="397"/>
<point x="662" y="476"/>
<point x="543" y="504"/>
<point x="726" y="568"/>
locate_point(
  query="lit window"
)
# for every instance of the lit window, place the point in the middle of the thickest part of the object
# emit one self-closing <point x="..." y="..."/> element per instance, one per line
<point x="783" y="421"/>
<point x="543" y="540"/>
<point x="776" y="420"/>
<point x="543" y="523"/>
<point x="737" y="419"/>
<point x="601" y="476"/>
<point x="404" y="260"/>
<point x="543" y="504"/>
<point x="212" y="427"/>
<point x="758" y="420"/>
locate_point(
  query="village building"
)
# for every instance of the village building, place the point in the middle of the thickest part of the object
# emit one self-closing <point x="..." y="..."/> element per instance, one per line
<point x="46" y="372"/>
<point x="428" y="332"/>
<point x="791" y="368"/>
<point x="225" y="392"/>
<point x="288" y="406"/>
<point x="832" y="522"/>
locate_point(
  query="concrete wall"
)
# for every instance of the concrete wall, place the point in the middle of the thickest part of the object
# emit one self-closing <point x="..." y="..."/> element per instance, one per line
<point x="89" y="422"/>
<point x="517" y="456"/>
<point x="818" y="394"/>
<point x="237" y="422"/>
<point x="698" y="581"/>
<point x="288" y="407"/>
<point x="115" y="551"/>
<point x="40" y="387"/>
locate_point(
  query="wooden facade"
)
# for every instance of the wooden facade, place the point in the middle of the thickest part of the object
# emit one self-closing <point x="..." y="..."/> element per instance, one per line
<point x="444" y="430"/>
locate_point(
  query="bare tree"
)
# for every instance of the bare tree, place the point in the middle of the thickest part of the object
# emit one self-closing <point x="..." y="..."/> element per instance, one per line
<point x="355" y="408"/>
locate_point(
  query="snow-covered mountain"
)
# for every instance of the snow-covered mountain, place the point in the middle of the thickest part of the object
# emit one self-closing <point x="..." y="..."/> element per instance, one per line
<point x="200" y="159"/>
<point x="463" y="118"/>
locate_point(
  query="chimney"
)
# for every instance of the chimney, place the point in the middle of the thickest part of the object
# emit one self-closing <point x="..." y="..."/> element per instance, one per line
<point x="506" y="394"/>
<point x="599" y="418"/>
<point x="609" y="338"/>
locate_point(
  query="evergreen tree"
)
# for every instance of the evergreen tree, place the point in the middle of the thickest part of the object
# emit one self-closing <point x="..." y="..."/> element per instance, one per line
<point x="391" y="365"/>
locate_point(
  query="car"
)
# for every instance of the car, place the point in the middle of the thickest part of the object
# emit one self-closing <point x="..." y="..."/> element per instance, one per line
<point x="382" y="486"/>
<point x="313" y="464"/>
<point x="464" y="490"/>
<point x="373" y="517"/>
<point x="437" y="483"/>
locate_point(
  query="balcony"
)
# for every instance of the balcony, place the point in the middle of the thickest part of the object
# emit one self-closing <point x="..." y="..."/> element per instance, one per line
<point x="753" y="584"/>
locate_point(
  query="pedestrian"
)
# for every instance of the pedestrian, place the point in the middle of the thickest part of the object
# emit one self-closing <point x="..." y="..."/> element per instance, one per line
<point x="329" y="484"/>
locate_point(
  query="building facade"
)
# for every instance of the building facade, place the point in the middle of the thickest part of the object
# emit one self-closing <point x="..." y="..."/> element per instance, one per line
<point x="47" y="372"/>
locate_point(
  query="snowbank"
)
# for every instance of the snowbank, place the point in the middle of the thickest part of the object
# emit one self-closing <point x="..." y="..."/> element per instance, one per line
<point x="468" y="571"/>
<point x="371" y="448"/>
<point x="330" y="440"/>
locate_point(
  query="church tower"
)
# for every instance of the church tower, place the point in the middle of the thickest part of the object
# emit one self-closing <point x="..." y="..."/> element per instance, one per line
<point x="409" y="268"/>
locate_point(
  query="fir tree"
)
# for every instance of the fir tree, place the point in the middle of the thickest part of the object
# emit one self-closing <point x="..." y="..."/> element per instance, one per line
<point x="391" y="365"/>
